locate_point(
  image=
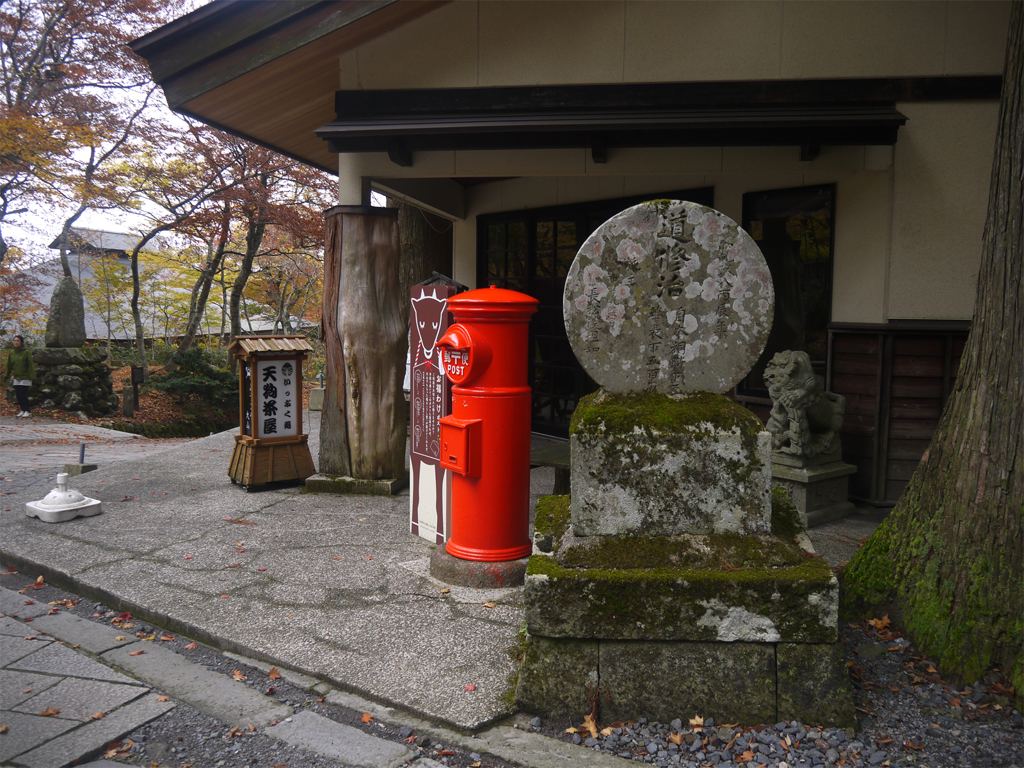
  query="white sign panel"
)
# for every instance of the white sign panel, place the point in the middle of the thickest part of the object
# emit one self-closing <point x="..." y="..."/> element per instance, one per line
<point x="277" y="398"/>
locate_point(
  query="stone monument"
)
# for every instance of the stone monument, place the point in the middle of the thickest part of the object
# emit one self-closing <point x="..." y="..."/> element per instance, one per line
<point x="672" y="580"/>
<point x="806" y="452"/>
<point x="70" y="375"/>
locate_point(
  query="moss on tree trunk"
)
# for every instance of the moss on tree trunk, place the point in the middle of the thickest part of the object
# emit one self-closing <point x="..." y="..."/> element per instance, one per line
<point x="948" y="560"/>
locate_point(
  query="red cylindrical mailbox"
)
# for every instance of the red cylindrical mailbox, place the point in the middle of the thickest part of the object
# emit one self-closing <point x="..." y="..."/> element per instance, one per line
<point x="485" y="442"/>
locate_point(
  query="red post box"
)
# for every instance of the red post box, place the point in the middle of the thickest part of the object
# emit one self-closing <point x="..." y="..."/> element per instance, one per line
<point x="485" y="442"/>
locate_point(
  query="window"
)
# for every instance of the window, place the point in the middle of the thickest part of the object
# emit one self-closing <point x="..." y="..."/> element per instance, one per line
<point x="794" y="230"/>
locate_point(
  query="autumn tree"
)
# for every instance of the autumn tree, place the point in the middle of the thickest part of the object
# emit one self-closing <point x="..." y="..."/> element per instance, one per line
<point x="72" y="95"/>
<point x="948" y="559"/>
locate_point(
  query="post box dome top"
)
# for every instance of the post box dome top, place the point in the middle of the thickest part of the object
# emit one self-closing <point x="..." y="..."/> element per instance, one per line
<point x="492" y="295"/>
<point x="492" y="305"/>
<point x="269" y="344"/>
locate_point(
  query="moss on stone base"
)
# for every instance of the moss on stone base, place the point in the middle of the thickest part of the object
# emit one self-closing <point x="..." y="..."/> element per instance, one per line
<point x="786" y="520"/>
<point x="621" y="414"/>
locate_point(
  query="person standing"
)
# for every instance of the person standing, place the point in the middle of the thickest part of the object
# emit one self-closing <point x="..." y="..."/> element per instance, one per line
<point x="21" y="370"/>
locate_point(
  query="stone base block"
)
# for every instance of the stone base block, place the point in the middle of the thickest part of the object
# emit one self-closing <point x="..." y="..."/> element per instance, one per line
<point x="355" y="486"/>
<point x="796" y="603"/>
<point x="814" y="685"/>
<point x="558" y="676"/>
<point x="476" y="573"/>
<point x="316" y="399"/>
<point x="72" y="470"/>
<point x="819" y="492"/>
<point x="652" y="465"/>
<point x="746" y="683"/>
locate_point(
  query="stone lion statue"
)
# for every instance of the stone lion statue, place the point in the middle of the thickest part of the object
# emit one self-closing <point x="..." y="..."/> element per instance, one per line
<point x="805" y="419"/>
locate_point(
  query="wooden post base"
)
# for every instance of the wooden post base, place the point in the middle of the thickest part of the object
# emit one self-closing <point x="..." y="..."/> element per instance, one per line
<point x="254" y="462"/>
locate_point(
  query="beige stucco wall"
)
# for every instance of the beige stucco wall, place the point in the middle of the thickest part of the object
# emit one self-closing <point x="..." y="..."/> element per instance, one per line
<point x="472" y="43"/>
<point x="908" y="222"/>
<point x="940" y="198"/>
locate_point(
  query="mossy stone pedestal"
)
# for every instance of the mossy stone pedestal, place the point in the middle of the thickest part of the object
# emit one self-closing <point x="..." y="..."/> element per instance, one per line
<point x="691" y="607"/>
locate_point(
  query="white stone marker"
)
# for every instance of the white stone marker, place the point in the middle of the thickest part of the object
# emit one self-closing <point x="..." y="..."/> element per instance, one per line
<point x="63" y="504"/>
<point x="668" y="296"/>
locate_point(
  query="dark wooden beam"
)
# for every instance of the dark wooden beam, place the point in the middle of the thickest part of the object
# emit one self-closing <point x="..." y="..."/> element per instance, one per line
<point x="631" y="96"/>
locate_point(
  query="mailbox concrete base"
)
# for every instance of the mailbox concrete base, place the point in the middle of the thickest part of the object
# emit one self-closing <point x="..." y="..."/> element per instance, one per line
<point x="355" y="486"/>
<point x="475" y="573"/>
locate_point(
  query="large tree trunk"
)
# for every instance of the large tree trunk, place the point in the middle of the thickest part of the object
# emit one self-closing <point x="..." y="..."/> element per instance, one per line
<point x="948" y="559"/>
<point x="426" y="241"/>
<point x="362" y="427"/>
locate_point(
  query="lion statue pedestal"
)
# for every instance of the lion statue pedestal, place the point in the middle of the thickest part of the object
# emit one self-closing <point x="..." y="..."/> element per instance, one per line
<point x="806" y="453"/>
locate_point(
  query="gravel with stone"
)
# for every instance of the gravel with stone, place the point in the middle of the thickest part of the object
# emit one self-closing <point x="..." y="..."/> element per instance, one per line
<point x="908" y="716"/>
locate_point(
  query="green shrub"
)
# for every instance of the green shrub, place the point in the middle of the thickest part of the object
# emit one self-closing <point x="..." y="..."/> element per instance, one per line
<point x="196" y="378"/>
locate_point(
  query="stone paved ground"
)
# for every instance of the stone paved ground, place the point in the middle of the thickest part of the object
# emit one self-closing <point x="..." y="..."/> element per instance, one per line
<point x="33" y="451"/>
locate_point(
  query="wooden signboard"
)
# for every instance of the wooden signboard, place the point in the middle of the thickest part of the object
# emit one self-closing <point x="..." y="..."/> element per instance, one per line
<point x="271" y="446"/>
<point x="430" y="398"/>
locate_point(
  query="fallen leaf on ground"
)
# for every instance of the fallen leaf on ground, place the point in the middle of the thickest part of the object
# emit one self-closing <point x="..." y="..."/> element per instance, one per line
<point x="366" y="717"/>
<point x="192" y="646"/>
<point x="237" y="675"/>
<point x="490" y="605"/>
<point x="252" y="728"/>
<point x="32" y="637"/>
<point x="469" y="687"/>
<point x="163" y="698"/>
<point x="261" y="569"/>
<point x="120" y="638"/>
<point x="225" y="597"/>
<point x="97" y="716"/>
<point x="3" y="729"/>
<point x="676" y="738"/>
<point x="239" y="521"/>
<point x="30" y="602"/>
<point x="881" y="623"/>
<point x="410" y="740"/>
<point x="339" y="557"/>
<point x="136" y="653"/>
<point x="270" y="690"/>
<point x="590" y="725"/>
<point x="234" y="565"/>
<point x="233" y="732"/>
<point x="49" y="712"/>
<point x="166" y="638"/>
<point x="697" y="723"/>
<point x="274" y="673"/>
<point x="445" y="591"/>
<point x="188" y="557"/>
<point x="445" y="752"/>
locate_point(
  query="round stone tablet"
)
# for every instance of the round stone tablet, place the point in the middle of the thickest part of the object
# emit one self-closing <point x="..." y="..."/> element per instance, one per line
<point x="671" y="297"/>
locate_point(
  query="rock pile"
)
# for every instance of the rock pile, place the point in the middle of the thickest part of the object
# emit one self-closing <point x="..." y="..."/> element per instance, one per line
<point x="74" y="379"/>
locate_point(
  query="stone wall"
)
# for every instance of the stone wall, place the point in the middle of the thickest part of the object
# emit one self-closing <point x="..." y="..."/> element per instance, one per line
<point x="74" y="379"/>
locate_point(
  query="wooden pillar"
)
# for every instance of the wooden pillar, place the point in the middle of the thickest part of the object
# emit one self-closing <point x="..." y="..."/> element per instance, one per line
<point x="362" y="426"/>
